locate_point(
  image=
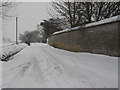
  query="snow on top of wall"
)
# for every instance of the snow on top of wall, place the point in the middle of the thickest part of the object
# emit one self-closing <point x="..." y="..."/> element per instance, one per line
<point x="67" y="29"/>
<point x="108" y="20"/>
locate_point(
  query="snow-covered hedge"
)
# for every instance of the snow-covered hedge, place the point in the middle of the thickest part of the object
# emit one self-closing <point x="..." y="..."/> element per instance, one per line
<point x="9" y="50"/>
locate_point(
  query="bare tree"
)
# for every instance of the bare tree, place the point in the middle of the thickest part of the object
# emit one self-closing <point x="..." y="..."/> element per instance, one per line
<point x="106" y="10"/>
<point x="78" y="13"/>
<point x="5" y="8"/>
<point x="67" y="9"/>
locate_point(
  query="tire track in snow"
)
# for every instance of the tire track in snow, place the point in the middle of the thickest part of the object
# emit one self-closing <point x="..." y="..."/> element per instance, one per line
<point x="30" y="67"/>
<point x="52" y="70"/>
<point x="57" y="72"/>
<point x="80" y="77"/>
<point x="48" y="64"/>
<point x="87" y="80"/>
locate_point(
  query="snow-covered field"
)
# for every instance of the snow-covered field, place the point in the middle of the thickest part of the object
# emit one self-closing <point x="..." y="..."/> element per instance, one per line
<point x="42" y="66"/>
<point x="9" y="49"/>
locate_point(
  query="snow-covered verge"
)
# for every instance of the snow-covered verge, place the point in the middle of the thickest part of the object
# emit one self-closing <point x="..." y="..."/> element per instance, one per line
<point x="108" y="20"/>
<point x="42" y="66"/>
<point x="10" y="49"/>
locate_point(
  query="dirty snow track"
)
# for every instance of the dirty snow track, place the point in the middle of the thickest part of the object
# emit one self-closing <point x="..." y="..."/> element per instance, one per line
<point x="42" y="66"/>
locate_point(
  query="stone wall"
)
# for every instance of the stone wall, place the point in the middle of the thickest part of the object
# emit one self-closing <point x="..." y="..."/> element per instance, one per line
<point x="98" y="38"/>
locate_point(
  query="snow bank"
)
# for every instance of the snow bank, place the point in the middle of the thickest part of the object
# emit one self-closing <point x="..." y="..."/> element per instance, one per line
<point x="10" y="49"/>
<point x="108" y="20"/>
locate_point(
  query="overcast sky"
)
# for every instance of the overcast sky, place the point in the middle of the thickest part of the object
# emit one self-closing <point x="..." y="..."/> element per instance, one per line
<point x="29" y="15"/>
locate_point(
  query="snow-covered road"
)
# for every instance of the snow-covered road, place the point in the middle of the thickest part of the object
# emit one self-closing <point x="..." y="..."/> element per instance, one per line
<point x="42" y="66"/>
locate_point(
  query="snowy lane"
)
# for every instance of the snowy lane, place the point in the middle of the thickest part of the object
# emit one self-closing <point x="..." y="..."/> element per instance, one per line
<point x="42" y="66"/>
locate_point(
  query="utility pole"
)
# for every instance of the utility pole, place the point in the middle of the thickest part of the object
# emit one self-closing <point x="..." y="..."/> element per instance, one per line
<point x="16" y="30"/>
